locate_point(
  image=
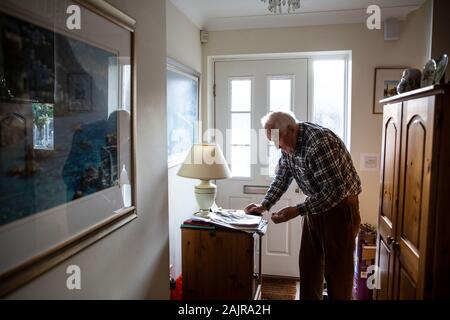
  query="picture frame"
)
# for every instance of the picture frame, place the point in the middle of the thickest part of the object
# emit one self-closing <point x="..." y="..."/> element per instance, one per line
<point x="67" y="137"/>
<point x="386" y="80"/>
<point x="183" y="110"/>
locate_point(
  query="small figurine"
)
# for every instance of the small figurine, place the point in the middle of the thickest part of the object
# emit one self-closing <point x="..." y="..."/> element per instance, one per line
<point x="441" y="66"/>
<point x="428" y="74"/>
<point x="410" y="80"/>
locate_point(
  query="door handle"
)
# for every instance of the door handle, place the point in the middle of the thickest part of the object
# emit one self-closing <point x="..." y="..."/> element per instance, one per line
<point x="392" y="242"/>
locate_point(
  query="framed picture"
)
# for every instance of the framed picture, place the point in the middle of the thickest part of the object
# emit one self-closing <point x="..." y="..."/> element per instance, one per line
<point x="386" y="81"/>
<point x="67" y="126"/>
<point x="182" y="110"/>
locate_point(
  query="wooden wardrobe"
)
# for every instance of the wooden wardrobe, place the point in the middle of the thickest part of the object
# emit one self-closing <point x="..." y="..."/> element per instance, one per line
<point x="413" y="245"/>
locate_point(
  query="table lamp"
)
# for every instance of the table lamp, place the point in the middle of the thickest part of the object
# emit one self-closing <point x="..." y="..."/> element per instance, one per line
<point x="205" y="162"/>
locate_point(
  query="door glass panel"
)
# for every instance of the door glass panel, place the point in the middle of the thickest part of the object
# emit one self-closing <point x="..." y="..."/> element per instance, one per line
<point x="240" y="109"/>
<point x="240" y="128"/>
<point x="329" y="94"/>
<point x="241" y="93"/>
<point x="240" y="161"/>
<point x="280" y="98"/>
<point x="280" y="94"/>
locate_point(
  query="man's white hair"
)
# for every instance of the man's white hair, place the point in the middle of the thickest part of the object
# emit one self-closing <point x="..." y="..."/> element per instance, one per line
<point x="280" y="120"/>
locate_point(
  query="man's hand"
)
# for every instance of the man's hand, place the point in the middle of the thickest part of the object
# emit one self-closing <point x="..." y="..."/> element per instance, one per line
<point x="285" y="214"/>
<point x="255" y="209"/>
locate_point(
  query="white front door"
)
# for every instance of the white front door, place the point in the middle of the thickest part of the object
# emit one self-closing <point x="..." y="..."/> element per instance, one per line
<point x="245" y="92"/>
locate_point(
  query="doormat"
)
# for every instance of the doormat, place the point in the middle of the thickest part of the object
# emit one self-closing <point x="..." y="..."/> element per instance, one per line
<point x="278" y="288"/>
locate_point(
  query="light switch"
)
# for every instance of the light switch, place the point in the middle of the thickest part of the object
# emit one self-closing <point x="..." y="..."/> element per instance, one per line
<point x="369" y="162"/>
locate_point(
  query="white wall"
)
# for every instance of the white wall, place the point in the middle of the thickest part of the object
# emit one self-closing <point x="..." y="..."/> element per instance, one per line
<point x="369" y="50"/>
<point x="184" y="46"/>
<point x="132" y="262"/>
<point x="428" y="11"/>
<point x="183" y="38"/>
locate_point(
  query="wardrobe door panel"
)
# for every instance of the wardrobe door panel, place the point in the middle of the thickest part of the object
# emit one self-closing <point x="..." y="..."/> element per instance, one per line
<point x="415" y="171"/>
<point x="389" y="195"/>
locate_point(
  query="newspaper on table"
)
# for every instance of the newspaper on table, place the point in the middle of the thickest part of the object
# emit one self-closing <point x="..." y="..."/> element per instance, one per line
<point x="235" y="219"/>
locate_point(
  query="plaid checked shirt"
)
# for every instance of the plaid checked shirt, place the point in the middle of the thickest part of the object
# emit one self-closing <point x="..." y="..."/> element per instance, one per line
<point x="322" y="168"/>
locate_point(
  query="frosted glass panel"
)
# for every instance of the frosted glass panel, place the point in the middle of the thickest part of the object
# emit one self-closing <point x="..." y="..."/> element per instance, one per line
<point x="329" y="94"/>
<point x="240" y="127"/>
<point x="240" y="161"/>
<point x="280" y="94"/>
<point x="241" y="95"/>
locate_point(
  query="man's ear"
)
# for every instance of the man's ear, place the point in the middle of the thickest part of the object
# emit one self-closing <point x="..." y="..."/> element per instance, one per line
<point x="289" y="128"/>
<point x="275" y="137"/>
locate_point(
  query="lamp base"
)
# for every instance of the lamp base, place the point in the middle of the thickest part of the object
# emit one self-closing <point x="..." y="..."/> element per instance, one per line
<point x="205" y="193"/>
<point x="203" y="214"/>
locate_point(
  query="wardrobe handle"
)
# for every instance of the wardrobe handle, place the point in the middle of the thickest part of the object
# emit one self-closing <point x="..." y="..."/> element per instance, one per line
<point x="392" y="242"/>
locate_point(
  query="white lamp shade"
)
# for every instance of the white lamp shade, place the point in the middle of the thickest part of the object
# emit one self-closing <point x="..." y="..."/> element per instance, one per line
<point x="205" y="162"/>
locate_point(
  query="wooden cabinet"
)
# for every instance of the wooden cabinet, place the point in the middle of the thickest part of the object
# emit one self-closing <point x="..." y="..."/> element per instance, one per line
<point x="414" y="214"/>
<point x="220" y="264"/>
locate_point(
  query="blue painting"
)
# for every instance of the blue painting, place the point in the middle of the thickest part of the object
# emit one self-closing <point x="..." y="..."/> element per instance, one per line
<point x="58" y="123"/>
<point x="182" y="113"/>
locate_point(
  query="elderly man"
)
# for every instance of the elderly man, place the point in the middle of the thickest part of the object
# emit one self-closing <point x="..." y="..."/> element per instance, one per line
<point x="322" y="167"/>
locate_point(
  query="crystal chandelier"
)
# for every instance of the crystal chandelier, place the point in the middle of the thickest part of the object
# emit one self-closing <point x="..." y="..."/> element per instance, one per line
<point x="275" y="5"/>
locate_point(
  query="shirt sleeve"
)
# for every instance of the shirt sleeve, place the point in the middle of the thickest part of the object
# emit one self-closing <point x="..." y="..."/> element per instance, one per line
<point x="325" y="163"/>
<point x="279" y="185"/>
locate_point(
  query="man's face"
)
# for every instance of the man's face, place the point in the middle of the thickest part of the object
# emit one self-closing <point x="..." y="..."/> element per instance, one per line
<point x="285" y="142"/>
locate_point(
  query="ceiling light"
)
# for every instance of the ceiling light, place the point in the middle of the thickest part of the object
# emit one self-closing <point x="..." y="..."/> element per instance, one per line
<point x="277" y="5"/>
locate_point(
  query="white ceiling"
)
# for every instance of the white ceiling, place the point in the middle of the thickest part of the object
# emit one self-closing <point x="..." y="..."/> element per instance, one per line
<point x="243" y="14"/>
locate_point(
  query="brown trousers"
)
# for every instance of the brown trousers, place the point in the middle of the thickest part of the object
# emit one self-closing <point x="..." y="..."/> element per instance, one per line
<point x="327" y="249"/>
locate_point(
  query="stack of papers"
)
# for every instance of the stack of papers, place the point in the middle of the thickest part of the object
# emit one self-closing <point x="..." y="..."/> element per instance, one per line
<point x="235" y="219"/>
